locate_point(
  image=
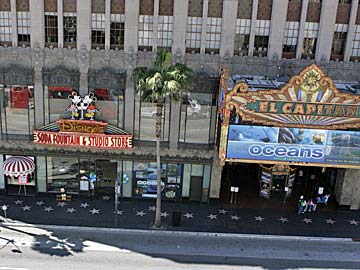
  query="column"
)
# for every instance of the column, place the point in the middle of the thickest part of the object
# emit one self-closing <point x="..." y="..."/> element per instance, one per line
<point x="37" y="31"/>
<point x="175" y="119"/>
<point x="131" y="24"/>
<point x="39" y="96"/>
<point x="228" y="27"/>
<point x="326" y="29"/>
<point x="253" y="26"/>
<point x="351" y="30"/>
<point x="204" y="26"/>
<point x="300" y="41"/>
<point x="14" y="23"/>
<point x="60" y="9"/>
<point x="129" y="103"/>
<point x="155" y="25"/>
<point x="107" y="23"/>
<point x="277" y="28"/>
<point x="347" y="188"/>
<point x="180" y="22"/>
<point x="215" y="184"/>
<point x="83" y="10"/>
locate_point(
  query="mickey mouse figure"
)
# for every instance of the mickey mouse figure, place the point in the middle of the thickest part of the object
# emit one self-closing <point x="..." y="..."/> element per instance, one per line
<point x="91" y="109"/>
<point x="73" y="108"/>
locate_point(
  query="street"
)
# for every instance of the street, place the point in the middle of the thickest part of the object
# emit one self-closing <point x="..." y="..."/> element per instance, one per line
<point x="55" y="247"/>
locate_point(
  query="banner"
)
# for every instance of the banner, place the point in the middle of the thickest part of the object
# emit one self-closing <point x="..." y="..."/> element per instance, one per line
<point x="293" y="145"/>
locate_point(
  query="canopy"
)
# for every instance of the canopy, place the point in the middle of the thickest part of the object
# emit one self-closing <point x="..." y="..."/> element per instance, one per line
<point x="18" y="166"/>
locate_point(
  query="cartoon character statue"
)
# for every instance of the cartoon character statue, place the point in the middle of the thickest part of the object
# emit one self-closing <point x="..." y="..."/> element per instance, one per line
<point x="82" y="108"/>
<point x="73" y="108"/>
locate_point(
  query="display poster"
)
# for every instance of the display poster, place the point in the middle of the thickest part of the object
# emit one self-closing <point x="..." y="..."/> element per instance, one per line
<point x="293" y="145"/>
<point x="146" y="180"/>
<point x="84" y="185"/>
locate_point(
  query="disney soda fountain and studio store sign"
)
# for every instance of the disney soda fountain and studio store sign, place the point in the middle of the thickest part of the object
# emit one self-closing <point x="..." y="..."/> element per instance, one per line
<point x="82" y="130"/>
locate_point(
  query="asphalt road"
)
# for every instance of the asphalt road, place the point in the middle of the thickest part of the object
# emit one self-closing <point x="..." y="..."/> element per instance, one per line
<point x="29" y="248"/>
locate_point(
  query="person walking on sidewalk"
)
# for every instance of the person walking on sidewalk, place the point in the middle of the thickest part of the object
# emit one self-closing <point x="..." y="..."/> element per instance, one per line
<point x="301" y="205"/>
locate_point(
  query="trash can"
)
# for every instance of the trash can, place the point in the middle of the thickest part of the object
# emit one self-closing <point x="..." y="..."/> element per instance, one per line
<point x="176" y="218"/>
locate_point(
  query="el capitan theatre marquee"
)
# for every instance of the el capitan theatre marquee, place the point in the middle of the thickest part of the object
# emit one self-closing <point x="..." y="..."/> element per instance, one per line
<point x="307" y="121"/>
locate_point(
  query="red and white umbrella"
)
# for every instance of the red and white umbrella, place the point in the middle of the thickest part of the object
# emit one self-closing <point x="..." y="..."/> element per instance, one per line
<point x="18" y="166"/>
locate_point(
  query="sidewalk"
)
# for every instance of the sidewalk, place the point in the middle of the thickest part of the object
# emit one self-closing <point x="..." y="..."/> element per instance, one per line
<point x="99" y="212"/>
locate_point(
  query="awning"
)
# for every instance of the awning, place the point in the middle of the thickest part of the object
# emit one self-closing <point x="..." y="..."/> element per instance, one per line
<point x="18" y="166"/>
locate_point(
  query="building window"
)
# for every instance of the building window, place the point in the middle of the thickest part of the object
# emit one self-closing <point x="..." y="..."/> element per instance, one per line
<point x="145" y="119"/>
<point x="196" y="122"/>
<point x="23" y="27"/>
<point x="193" y="34"/>
<point x="355" y="54"/>
<point x="165" y="31"/>
<point x="242" y="36"/>
<point x="5" y="28"/>
<point x="51" y="29"/>
<point x="17" y="111"/>
<point x="290" y="39"/>
<point x="213" y="35"/>
<point x="117" y="31"/>
<point x="338" y="45"/>
<point x="70" y="33"/>
<point x="261" y="37"/>
<point x="146" y="27"/>
<point x="344" y="1"/>
<point x="98" y="30"/>
<point x="311" y="31"/>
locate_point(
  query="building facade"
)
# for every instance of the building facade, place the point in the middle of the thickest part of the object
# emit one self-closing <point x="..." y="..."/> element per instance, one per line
<point x="51" y="47"/>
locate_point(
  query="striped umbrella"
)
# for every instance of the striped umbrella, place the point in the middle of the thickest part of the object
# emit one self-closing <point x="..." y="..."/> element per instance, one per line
<point x="18" y="166"/>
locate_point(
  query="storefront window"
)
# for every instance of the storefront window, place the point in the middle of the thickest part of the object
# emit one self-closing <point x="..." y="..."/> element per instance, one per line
<point x="57" y="102"/>
<point x="17" y="110"/>
<point x="2" y="177"/>
<point x="197" y="124"/>
<point x="145" y="174"/>
<point x="63" y="172"/>
<point x="145" y="121"/>
<point x="110" y="104"/>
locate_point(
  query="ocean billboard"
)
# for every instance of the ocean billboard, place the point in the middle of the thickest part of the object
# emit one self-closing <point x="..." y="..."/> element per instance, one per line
<point x="293" y="145"/>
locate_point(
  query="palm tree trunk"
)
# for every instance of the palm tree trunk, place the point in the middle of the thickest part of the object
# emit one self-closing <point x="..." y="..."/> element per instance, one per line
<point x="159" y="109"/>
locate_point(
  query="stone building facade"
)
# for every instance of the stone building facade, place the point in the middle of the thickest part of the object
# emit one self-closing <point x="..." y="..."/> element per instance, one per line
<point x="89" y="45"/>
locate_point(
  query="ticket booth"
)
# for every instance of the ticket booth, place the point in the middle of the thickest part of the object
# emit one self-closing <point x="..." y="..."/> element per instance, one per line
<point x="276" y="181"/>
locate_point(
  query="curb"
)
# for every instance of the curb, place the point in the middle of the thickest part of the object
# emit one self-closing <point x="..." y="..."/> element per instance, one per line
<point x="183" y="233"/>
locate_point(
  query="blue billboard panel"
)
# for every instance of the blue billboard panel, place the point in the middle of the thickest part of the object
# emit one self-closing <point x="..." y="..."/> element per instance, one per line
<point x="293" y="145"/>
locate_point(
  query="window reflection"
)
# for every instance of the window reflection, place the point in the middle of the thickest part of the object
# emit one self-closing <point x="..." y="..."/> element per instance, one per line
<point x="110" y="103"/>
<point x="63" y="172"/>
<point x="17" y="109"/>
<point x="145" y="121"/>
<point x="196" y="125"/>
<point x="56" y="100"/>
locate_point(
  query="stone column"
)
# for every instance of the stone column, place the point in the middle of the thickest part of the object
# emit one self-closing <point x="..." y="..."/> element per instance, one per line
<point x="37" y="29"/>
<point x="326" y="29"/>
<point x="129" y="103"/>
<point x="253" y="27"/>
<point x="37" y="60"/>
<point x="215" y="183"/>
<point x="83" y="10"/>
<point x="14" y="32"/>
<point x="131" y="24"/>
<point x="300" y="41"/>
<point x="83" y="64"/>
<point x="107" y="23"/>
<point x="351" y="30"/>
<point x="228" y="27"/>
<point x="60" y="9"/>
<point x="204" y="25"/>
<point x="277" y="28"/>
<point x="180" y="22"/>
<point x="156" y="23"/>
<point x="174" y="129"/>
<point x="348" y="188"/>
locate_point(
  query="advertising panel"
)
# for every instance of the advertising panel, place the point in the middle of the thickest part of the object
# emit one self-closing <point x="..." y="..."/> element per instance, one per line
<point x="293" y="145"/>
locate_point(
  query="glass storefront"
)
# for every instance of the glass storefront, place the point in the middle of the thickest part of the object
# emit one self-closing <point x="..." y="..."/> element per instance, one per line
<point x="17" y="110"/>
<point x="197" y="118"/>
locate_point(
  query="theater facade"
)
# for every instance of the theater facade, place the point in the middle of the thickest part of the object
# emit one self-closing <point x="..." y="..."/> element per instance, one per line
<point x="304" y="125"/>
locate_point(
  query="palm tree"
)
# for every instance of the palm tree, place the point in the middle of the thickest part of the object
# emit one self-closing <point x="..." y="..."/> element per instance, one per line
<point x="154" y="84"/>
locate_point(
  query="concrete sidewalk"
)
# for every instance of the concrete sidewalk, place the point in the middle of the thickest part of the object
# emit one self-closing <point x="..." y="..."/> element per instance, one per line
<point x="99" y="212"/>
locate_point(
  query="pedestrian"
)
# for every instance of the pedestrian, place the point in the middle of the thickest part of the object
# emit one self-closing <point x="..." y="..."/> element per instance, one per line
<point x="325" y="198"/>
<point x="309" y="206"/>
<point x="301" y="205"/>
